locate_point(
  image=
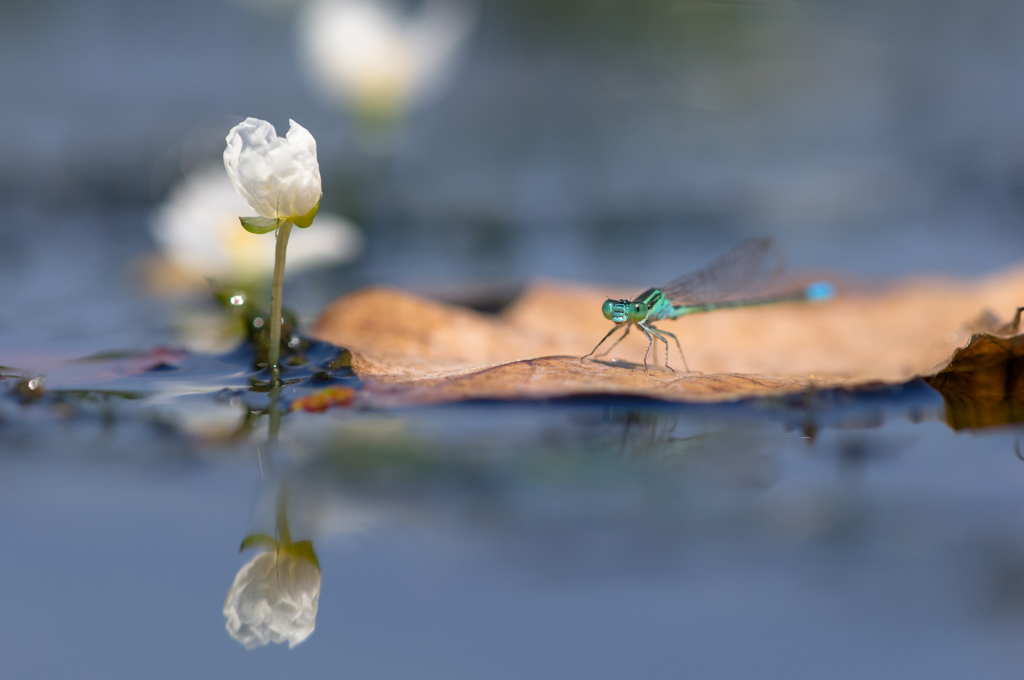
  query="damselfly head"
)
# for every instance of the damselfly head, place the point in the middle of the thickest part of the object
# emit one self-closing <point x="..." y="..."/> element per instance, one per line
<point x="618" y="310"/>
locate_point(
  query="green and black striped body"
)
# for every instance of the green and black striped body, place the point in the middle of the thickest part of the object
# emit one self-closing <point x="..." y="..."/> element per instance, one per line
<point x="683" y="310"/>
<point x="652" y="305"/>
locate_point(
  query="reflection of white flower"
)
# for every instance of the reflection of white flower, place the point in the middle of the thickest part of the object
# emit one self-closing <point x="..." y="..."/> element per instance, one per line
<point x="379" y="60"/>
<point x="279" y="177"/>
<point x="197" y="228"/>
<point x="273" y="599"/>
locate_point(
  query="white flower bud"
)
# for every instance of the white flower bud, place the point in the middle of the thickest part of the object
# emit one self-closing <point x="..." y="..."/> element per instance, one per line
<point x="274" y="598"/>
<point x="278" y="177"/>
<point x="197" y="229"/>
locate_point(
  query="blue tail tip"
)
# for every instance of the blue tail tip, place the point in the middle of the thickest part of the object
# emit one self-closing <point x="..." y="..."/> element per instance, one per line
<point x="820" y="290"/>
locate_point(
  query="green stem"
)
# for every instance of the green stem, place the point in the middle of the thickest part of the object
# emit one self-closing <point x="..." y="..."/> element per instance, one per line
<point x="274" y="354"/>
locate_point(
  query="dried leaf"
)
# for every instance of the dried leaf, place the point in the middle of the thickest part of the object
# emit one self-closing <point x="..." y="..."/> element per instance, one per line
<point x="413" y="350"/>
<point x="983" y="383"/>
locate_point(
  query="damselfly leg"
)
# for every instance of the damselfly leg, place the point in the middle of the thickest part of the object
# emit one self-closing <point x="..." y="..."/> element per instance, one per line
<point x="608" y="335"/>
<point x="614" y="344"/>
<point x="678" y="346"/>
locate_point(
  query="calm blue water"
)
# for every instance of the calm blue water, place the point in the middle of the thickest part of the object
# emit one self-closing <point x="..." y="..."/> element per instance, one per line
<point x="837" y="537"/>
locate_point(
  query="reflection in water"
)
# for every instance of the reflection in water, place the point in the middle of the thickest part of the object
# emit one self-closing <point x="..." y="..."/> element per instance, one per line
<point x="582" y="491"/>
<point x="744" y="455"/>
<point x="275" y="595"/>
<point x="609" y="490"/>
<point x="273" y="599"/>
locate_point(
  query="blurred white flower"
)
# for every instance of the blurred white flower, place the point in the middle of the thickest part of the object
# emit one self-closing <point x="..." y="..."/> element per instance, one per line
<point x="197" y="229"/>
<point x="274" y="598"/>
<point x="278" y="177"/>
<point x="378" y="59"/>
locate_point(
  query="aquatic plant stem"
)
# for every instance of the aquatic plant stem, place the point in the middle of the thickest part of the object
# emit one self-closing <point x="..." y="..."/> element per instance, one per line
<point x="284" y="534"/>
<point x="274" y="409"/>
<point x="274" y="351"/>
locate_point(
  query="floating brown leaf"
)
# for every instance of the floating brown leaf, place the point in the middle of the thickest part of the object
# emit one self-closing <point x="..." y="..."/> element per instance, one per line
<point x="409" y="349"/>
<point x="983" y="383"/>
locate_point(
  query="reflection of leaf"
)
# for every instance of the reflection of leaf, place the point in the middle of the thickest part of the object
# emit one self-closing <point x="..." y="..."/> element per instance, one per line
<point x="302" y="550"/>
<point x="321" y="400"/>
<point x="258" y="541"/>
<point x="413" y="350"/>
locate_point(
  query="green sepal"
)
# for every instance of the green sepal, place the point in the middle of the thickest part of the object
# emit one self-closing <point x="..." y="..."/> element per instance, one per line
<point x="307" y="219"/>
<point x="302" y="550"/>
<point x="258" y="541"/>
<point x="261" y="225"/>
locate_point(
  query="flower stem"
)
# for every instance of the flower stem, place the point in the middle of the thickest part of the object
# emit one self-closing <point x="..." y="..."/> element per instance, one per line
<point x="274" y="409"/>
<point x="274" y="351"/>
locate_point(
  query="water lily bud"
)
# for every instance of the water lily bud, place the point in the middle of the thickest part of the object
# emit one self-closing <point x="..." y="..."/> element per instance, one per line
<point x="278" y="177"/>
<point x="197" y="230"/>
<point x="273" y="599"/>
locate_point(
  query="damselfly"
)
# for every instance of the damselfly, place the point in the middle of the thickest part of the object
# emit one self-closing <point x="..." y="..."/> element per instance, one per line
<point x="723" y="285"/>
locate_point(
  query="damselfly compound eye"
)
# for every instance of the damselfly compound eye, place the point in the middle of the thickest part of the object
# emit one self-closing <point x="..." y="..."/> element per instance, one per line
<point x="637" y="312"/>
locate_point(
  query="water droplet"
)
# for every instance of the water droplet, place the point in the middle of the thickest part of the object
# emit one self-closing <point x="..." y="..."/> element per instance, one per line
<point x="34" y="383"/>
<point x="294" y="342"/>
<point x="257" y="322"/>
<point x="237" y="300"/>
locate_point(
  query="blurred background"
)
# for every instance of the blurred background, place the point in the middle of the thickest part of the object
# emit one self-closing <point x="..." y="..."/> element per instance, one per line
<point x="471" y="146"/>
<point x="467" y="147"/>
